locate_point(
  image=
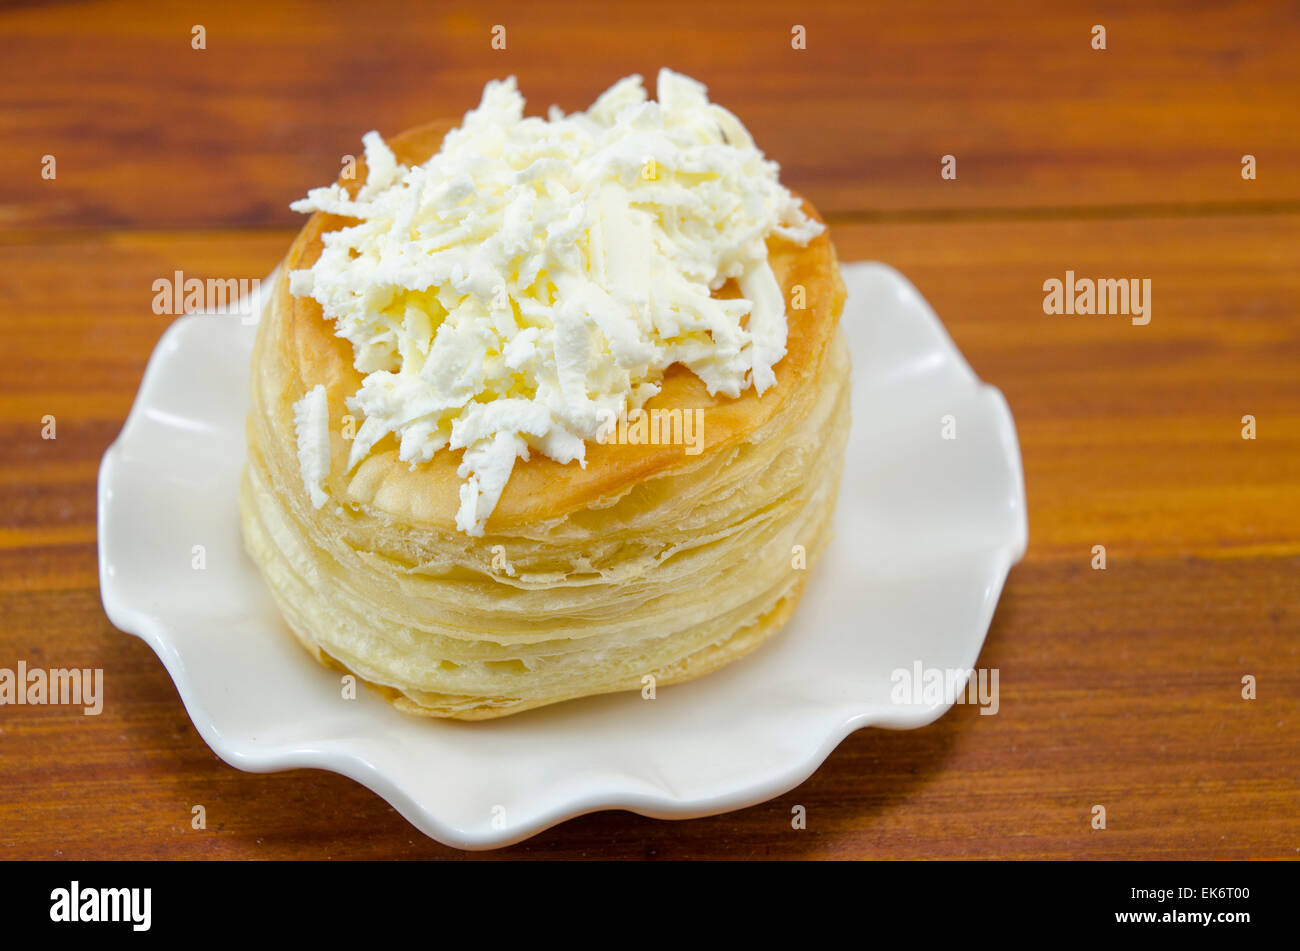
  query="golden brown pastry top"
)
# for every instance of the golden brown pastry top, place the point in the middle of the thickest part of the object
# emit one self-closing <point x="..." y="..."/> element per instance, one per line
<point x="308" y="352"/>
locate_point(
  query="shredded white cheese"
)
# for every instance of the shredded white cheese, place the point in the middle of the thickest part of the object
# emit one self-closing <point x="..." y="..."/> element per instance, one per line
<point x="311" y="422"/>
<point x="536" y="277"/>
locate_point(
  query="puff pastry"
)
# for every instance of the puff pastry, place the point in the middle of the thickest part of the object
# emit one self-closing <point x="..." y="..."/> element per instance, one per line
<point x="648" y="562"/>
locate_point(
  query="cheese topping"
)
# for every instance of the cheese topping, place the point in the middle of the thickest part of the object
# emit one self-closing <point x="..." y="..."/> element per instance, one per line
<point x="535" y="277"/>
<point x="311" y="422"/>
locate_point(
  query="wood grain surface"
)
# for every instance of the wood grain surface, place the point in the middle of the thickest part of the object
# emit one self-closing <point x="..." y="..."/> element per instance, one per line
<point x="1119" y="687"/>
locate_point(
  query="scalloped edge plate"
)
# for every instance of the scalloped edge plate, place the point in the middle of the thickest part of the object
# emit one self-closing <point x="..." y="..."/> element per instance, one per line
<point x="925" y="532"/>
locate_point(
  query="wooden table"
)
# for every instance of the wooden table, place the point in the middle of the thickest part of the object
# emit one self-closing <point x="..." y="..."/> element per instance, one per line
<point x="1120" y="687"/>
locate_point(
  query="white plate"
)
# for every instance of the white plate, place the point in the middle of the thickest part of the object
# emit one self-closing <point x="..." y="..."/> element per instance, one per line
<point x="925" y="533"/>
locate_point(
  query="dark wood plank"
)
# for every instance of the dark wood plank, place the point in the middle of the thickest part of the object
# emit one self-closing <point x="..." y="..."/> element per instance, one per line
<point x="148" y="132"/>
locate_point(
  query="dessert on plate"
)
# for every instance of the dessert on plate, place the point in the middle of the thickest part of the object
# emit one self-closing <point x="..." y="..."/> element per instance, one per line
<point x="548" y="407"/>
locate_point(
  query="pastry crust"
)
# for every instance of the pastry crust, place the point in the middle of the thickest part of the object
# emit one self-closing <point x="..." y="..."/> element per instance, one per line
<point x="648" y="561"/>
